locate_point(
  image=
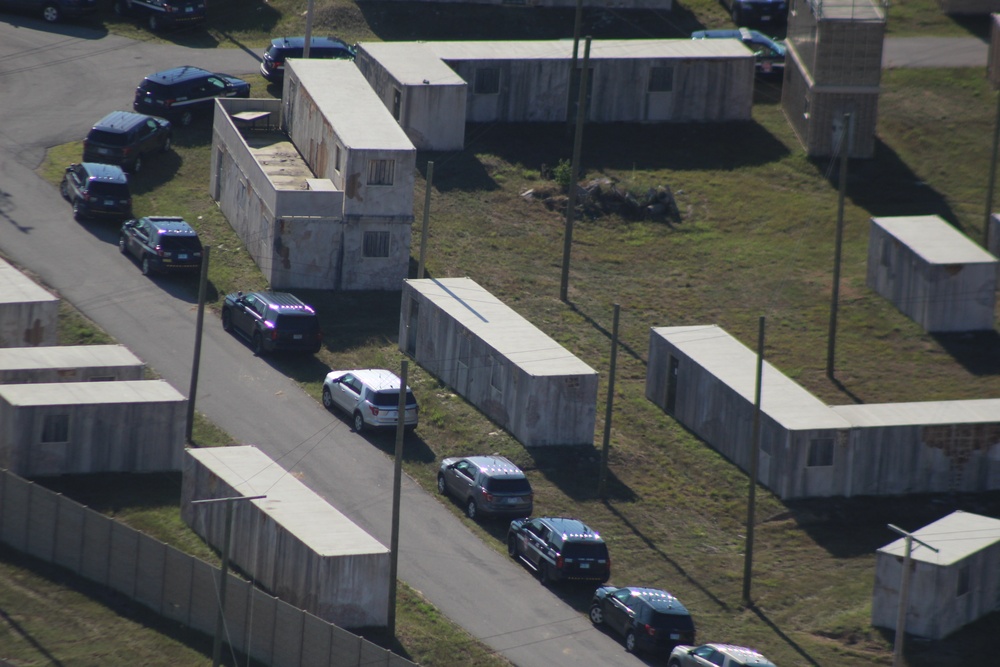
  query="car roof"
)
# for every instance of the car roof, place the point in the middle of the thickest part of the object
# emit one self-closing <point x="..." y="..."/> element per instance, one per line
<point x="120" y="121"/>
<point x="571" y="529"/>
<point x="661" y="601"/>
<point x="300" y="42"/>
<point x="178" y="75"/>
<point x="746" y="656"/>
<point x="377" y="378"/>
<point x="105" y="172"/>
<point x="497" y="466"/>
<point x="173" y="225"/>
<point x="285" y="303"/>
<point x="741" y="34"/>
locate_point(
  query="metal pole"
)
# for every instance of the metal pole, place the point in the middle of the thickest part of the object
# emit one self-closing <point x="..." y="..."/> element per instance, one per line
<point x="397" y="475"/>
<point x="754" y="455"/>
<point x="309" y="29"/>
<point x="602" y="483"/>
<point x="993" y="177"/>
<point x="831" y="339"/>
<point x="427" y="212"/>
<point x="577" y="141"/>
<point x="203" y="282"/>
<point x="577" y="22"/>
<point x="904" y="594"/>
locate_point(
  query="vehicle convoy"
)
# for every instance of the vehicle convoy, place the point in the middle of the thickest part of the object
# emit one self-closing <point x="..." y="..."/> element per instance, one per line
<point x="272" y="62"/>
<point x="649" y="619"/>
<point x="161" y="244"/>
<point x="717" y="655"/>
<point x="559" y="549"/>
<point x="53" y="11"/>
<point x="370" y="396"/>
<point x="179" y="94"/>
<point x="272" y="321"/>
<point x="96" y="190"/>
<point x="123" y="138"/>
<point x="486" y="485"/>
<point x="160" y="14"/>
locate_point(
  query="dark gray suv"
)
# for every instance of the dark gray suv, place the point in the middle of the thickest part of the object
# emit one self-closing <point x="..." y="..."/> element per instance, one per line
<point x="486" y="485"/>
<point x="559" y="549"/>
<point x="272" y="321"/>
<point x="124" y="137"/>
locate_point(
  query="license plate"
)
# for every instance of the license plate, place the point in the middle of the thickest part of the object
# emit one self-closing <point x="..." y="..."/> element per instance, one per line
<point x="104" y="151"/>
<point x="511" y="501"/>
<point x="765" y="18"/>
<point x="109" y="202"/>
<point x="182" y="256"/>
<point x="584" y="566"/>
<point x="674" y="635"/>
<point x="296" y="336"/>
<point x="189" y="9"/>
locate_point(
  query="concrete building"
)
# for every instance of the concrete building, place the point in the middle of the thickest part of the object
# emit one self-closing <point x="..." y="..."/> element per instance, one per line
<point x="933" y="273"/>
<point x="88" y="427"/>
<point x="948" y="589"/>
<point x="519" y="377"/>
<point x="632" y="81"/>
<point x="320" y="191"/>
<point x="28" y="314"/>
<point x="69" y="363"/>
<point x="834" y="68"/>
<point x="292" y="543"/>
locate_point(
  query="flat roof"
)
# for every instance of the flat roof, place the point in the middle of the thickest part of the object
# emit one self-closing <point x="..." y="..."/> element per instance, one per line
<point x="956" y="536"/>
<point x="600" y="49"/>
<point x="491" y="320"/>
<point x="347" y="100"/>
<point x="735" y="364"/>
<point x="933" y="239"/>
<point x="412" y="63"/>
<point x="289" y="502"/>
<point x="853" y="10"/>
<point x="16" y="287"/>
<point x="67" y="356"/>
<point x="89" y="393"/>
<point x="976" y="411"/>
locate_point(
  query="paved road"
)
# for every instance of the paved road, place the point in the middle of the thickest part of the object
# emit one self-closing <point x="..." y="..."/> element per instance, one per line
<point x="934" y="52"/>
<point x="53" y="85"/>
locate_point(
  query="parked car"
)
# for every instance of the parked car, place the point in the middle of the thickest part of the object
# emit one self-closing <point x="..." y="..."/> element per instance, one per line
<point x="272" y="321"/>
<point x="370" y="396"/>
<point x="124" y="137"/>
<point x="746" y="12"/>
<point x="161" y="244"/>
<point x="559" y="549"/>
<point x="717" y="655"/>
<point x="97" y="190"/>
<point x="769" y="53"/>
<point x="180" y="93"/>
<point x="486" y="485"/>
<point x="160" y="14"/>
<point x="649" y="619"/>
<point x="52" y="11"/>
<point x="272" y="64"/>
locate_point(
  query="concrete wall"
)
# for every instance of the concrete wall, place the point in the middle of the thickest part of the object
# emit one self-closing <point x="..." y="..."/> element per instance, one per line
<point x="69" y="363"/>
<point x="28" y="313"/>
<point x="292" y="543"/>
<point x="932" y="273"/>
<point x="994" y="239"/>
<point x="87" y="427"/>
<point x="519" y="377"/>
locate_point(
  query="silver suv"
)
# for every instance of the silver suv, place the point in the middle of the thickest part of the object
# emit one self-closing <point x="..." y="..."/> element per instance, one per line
<point x="370" y="396"/>
<point x="717" y="655"/>
<point x="486" y="485"/>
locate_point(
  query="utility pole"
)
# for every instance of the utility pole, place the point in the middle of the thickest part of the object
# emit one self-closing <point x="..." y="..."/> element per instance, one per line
<point x="427" y="213"/>
<point x="831" y="341"/>
<point x="993" y="177"/>
<point x="196" y="364"/>
<point x="904" y="593"/>
<point x="220" y="619"/>
<point x="309" y="29"/>
<point x="397" y="476"/>
<point x="602" y="483"/>
<point x="754" y="455"/>
<point x="577" y="141"/>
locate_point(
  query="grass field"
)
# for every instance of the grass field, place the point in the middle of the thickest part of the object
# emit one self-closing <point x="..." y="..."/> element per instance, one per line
<point x="755" y="238"/>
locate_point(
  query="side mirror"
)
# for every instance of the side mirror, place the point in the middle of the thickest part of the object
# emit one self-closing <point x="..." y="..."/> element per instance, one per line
<point x="129" y="224"/>
<point x="70" y="168"/>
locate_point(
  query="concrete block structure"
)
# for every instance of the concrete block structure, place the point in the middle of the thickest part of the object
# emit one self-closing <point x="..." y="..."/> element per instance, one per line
<point x="69" y="363"/>
<point x="320" y="191"/>
<point x="29" y="314"/>
<point x="88" y="427"/>
<point x="292" y="543"/>
<point x="933" y="273"/>
<point x="519" y="377"/>
<point x="833" y="69"/>
<point x="948" y="589"/>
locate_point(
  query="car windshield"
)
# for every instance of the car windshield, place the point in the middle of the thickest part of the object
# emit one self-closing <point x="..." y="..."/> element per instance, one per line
<point x="109" y="138"/>
<point x="508" y="485"/>
<point x="388" y="399"/>
<point x="297" y="324"/>
<point x="679" y="622"/>
<point x="103" y="189"/>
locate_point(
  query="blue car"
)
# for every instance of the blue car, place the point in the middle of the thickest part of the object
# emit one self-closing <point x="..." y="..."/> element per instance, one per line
<point x="769" y="53"/>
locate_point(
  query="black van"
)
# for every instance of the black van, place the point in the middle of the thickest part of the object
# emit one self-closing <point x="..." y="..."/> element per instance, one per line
<point x="272" y="65"/>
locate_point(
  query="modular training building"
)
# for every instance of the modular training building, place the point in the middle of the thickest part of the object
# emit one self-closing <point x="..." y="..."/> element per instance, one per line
<point x="932" y="273"/>
<point x="706" y="379"/>
<point x="518" y="376"/>
<point x="28" y="314"/>
<point x="89" y="427"/>
<point x="948" y="589"/>
<point x="293" y="543"/>
<point x="69" y="363"/>
<point x="631" y="81"/>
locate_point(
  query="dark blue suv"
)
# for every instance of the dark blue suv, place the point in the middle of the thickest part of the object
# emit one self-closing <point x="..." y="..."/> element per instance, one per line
<point x="649" y="619"/>
<point x="97" y="190"/>
<point x="559" y="549"/>
<point x="160" y="14"/>
<point x="180" y="93"/>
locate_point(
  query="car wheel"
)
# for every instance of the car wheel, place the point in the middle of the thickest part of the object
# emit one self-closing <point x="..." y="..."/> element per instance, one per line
<point x="64" y="191"/>
<point x="327" y="398"/>
<point x="544" y="575"/>
<point x="674" y="662"/>
<point x="596" y="614"/>
<point x="145" y="266"/>
<point x="470" y="509"/>
<point x="154" y="23"/>
<point x="166" y="145"/>
<point x="186" y="118"/>
<point x="630" y="642"/>
<point x="51" y="13"/>
<point x="359" y="422"/>
<point x="512" y="546"/>
<point x="441" y="485"/>
<point x="258" y="344"/>
<point x="227" y="321"/>
<point x="77" y="211"/>
<point x="137" y="165"/>
<point x="121" y="245"/>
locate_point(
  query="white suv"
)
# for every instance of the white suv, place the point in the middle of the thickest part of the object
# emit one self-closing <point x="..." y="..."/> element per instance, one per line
<point x="717" y="655"/>
<point x="370" y="396"/>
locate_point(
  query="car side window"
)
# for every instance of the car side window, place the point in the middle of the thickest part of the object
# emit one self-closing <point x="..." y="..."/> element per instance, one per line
<point x="622" y="596"/>
<point x="214" y="86"/>
<point x="249" y="302"/>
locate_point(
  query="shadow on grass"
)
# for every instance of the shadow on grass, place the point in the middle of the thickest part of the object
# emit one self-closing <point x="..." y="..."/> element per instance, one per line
<point x="575" y="469"/>
<point x="628" y="349"/>
<point x="977" y="25"/>
<point x="977" y="351"/>
<point x="781" y="635"/>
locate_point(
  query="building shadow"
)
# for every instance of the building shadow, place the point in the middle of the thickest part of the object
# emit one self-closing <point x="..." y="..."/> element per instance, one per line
<point x="977" y="351"/>
<point x="781" y="635"/>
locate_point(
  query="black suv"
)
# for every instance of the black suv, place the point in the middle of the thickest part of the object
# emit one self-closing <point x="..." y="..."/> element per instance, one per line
<point x="158" y="14"/>
<point x="272" y="65"/>
<point x="559" y="549"/>
<point x="182" y="92"/>
<point x="272" y="321"/>
<point x="161" y="244"/>
<point x="757" y="11"/>
<point x="53" y="11"/>
<point x="97" y="190"/>
<point x="648" y="618"/>
<point x="123" y="137"/>
<point x="486" y="485"/>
